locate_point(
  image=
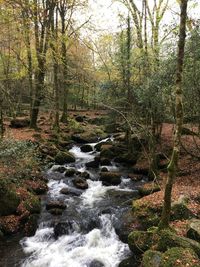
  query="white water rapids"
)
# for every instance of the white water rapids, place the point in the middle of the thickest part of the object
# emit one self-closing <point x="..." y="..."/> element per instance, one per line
<point x="100" y="246"/>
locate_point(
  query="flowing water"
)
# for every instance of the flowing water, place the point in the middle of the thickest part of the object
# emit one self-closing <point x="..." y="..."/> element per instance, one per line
<point x="90" y="239"/>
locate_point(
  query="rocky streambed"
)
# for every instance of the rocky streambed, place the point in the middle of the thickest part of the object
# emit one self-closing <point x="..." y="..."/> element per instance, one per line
<point x="81" y="219"/>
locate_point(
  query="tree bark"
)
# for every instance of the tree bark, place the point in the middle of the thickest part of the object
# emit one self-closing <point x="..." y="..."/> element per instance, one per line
<point x="172" y="167"/>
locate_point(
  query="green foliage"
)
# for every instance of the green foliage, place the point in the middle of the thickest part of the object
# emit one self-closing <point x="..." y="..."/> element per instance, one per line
<point x="19" y="157"/>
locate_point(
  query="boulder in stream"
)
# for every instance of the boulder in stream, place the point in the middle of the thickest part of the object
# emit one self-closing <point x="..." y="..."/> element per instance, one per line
<point x="70" y="172"/>
<point x="110" y="178"/>
<point x="63" y="228"/>
<point x="55" y="205"/>
<point x="64" y="157"/>
<point x="80" y="183"/>
<point x="86" y="148"/>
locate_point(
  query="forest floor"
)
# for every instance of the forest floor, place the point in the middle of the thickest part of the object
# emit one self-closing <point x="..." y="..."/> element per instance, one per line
<point x="187" y="182"/>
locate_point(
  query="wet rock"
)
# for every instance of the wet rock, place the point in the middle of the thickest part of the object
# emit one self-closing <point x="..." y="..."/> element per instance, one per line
<point x="64" y="157"/>
<point x="127" y="158"/>
<point x="110" y="178"/>
<point x="105" y="162"/>
<point x="70" y="191"/>
<point x="63" y="228"/>
<point x="9" y="200"/>
<point x="86" y="148"/>
<point x="104" y="169"/>
<point x="84" y="138"/>
<point x="60" y="169"/>
<point x="56" y="211"/>
<point x="55" y="205"/>
<point x="93" y="164"/>
<point x="96" y="263"/>
<point x="124" y="225"/>
<point x="70" y="172"/>
<point x="107" y="153"/>
<point x="130" y="262"/>
<point x="122" y="194"/>
<point x="99" y="145"/>
<point x="85" y="175"/>
<point x="194" y="230"/>
<point x="19" y="123"/>
<point x="80" y="183"/>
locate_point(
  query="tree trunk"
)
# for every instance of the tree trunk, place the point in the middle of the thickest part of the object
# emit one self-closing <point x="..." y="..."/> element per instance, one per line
<point x="172" y="167"/>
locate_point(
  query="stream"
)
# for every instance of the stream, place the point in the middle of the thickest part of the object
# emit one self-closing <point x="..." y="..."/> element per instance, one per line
<point x="84" y="235"/>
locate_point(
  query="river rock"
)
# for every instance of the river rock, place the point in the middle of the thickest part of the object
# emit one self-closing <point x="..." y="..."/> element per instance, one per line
<point x="96" y="263"/>
<point x="148" y="189"/>
<point x="55" y="205"/>
<point x="152" y="258"/>
<point x="64" y="157"/>
<point x="70" y="191"/>
<point x="194" y="230"/>
<point x="80" y="183"/>
<point x="56" y="211"/>
<point x="93" y="164"/>
<point x="31" y="225"/>
<point x="130" y="262"/>
<point x="110" y="178"/>
<point x="104" y="169"/>
<point x="86" y="148"/>
<point x="85" y="175"/>
<point x="60" y="169"/>
<point x="105" y="162"/>
<point x="70" y="172"/>
<point x="63" y="228"/>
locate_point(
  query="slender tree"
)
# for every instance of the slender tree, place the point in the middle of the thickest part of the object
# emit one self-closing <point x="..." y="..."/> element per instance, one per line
<point x="172" y="167"/>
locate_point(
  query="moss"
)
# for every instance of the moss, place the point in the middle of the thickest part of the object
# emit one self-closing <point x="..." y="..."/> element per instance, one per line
<point x="148" y="189"/>
<point x="179" y="257"/>
<point x="107" y="153"/>
<point x="147" y="215"/>
<point x="32" y="204"/>
<point x="64" y="157"/>
<point x="9" y="200"/>
<point x="168" y="239"/>
<point x="151" y="258"/>
<point x="140" y="241"/>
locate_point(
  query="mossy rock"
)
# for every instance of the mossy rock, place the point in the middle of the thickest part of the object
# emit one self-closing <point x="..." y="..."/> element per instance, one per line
<point x="107" y="153"/>
<point x="194" y="230"/>
<point x="148" y="189"/>
<point x="179" y="257"/>
<point x="148" y="215"/>
<point x="141" y="241"/>
<point x="9" y="200"/>
<point x="32" y="204"/>
<point x="129" y="262"/>
<point x="110" y="178"/>
<point x="172" y="257"/>
<point x="151" y="258"/>
<point x="180" y="209"/>
<point x="168" y="239"/>
<point x="64" y="157"/>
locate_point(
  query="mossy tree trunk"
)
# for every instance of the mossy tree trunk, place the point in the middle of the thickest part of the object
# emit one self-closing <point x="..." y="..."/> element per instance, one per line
<point x="172" y="167"/>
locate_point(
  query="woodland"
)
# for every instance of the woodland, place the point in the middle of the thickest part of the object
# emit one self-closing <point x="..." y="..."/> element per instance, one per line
<point x="99" y="133"/>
